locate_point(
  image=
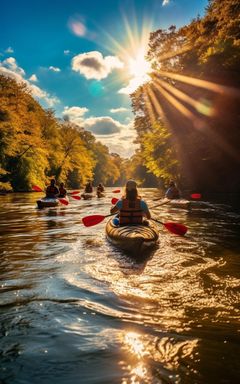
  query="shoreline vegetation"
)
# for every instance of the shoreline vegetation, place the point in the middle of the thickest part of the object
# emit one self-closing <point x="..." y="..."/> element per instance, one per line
<point x="186" y="117"/>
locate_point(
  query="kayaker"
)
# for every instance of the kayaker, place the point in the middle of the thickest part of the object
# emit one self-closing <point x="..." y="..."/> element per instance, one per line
<point x="62" y="191"/>
<point x="88" y="187"/>
<point x="131" y="208"/>
<point x="172" y="191"/>
<point x="52" y="190"/>
<point x="100" y="188"/>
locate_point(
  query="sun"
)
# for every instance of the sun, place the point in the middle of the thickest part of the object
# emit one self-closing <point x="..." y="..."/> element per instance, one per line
<point x="132" y="50"/>
<point x="139" y="67"/>
<point x="138" y="71"/>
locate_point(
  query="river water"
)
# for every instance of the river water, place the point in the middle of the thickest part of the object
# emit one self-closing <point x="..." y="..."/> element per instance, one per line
<point x="74" y="309"/>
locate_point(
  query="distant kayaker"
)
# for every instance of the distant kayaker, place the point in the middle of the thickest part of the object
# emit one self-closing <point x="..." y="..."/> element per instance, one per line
<point x="131" y="208"/>
<point x="172" y="191"/>
<point x="88" y="187"/>
<point x="100" y="188"/>
<point x="62" y="191"/>
<point x="52" y="191"/>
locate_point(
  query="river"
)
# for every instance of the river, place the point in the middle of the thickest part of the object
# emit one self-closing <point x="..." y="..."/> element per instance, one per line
<point x="74" y="309"/>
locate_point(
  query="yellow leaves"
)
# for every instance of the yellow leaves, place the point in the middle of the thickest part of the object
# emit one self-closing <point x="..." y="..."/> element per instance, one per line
<point x="34" y="144"/>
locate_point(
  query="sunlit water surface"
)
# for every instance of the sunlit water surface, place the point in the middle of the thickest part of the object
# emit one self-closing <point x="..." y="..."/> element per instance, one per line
<point x="74" y="309"/>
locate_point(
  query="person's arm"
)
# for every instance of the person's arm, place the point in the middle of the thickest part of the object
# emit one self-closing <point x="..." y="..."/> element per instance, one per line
<point x="145" y="209"/>
<point x="116" y="207"/>
<point x="168" y="193"/>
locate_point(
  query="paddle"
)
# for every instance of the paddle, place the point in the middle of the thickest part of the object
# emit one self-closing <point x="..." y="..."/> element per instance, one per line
<point x="38" y="189"/>
<point x="176" y="228"/>
<point x="196" y="195"/>
<point x="90" y="221"/>
<point x="193" y="196"/>
<point x="63" y="201"/>
<point x="75" y="197"/>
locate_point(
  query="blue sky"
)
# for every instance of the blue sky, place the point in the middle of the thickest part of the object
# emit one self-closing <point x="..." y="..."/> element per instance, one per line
<point x="82" y="57"/>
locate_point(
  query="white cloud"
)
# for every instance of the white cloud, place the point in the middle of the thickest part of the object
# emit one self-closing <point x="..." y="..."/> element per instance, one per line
<point x="165" y="2"/>
<point x="54" y="69"/>
<point x="104" y="125"/>
<point x="75" y="114"/>
<point x="33" y="78"/>
<point x="9" y="50"/>
<point x="93" y="65"/>
<point x="117" y="110"/>
<point x="121" y="142"/>
<point x="10" y="68"/>
<point x="133" y="85"/>
<point x="66" y="52"/>
<point x="11" y="64"/>
<point x="118" y="137"/>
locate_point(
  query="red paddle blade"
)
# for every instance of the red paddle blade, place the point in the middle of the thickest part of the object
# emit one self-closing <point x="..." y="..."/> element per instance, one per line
<point x="116" y="191"/>
<point x="89" y="221"/>
<point x="114" y="201"/>
<point x="176" y="228"/>
<point x="64" y="201"/>
<point x="76" y="197"/>
<point x="196" y="195"/>
<point x="36" y="188"/>
<point x="74" y="192"/>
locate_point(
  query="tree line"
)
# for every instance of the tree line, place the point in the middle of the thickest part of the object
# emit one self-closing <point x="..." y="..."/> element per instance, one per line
<point x="187" y="115"/>
<point x="35" y="145"/>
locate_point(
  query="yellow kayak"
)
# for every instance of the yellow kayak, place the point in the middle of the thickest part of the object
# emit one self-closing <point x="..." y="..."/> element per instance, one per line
<point x="135" y="239"/>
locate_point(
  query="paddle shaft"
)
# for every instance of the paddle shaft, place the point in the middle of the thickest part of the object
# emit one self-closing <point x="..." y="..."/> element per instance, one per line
<point x="159" y="205"/>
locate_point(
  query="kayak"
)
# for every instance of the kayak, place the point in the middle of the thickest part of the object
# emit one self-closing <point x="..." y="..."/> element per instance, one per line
<point x="185" y="204"/>
<point x="47" y="202"/>
<point x="87" y="196"/>
<point x="134" y="239"/>
<point x="100" y="194"/>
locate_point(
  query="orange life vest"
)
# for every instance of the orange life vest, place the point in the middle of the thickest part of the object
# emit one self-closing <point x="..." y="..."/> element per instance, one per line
<point x="131" y="212"/>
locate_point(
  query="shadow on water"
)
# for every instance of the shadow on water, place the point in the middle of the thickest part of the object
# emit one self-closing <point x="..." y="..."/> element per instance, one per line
<point x="74" y="309"/>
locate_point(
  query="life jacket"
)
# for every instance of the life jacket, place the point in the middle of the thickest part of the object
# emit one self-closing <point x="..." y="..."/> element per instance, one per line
<point x="52" y="191"/>
<point x="88" y="189"/>
<point x="62" y="192"/>
<point x="131" y="212"/>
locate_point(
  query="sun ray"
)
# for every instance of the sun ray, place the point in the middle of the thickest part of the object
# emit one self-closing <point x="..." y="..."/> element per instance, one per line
<point x="173" y="54"/>
<point x="198" y="124"/>
<point x="149" y="106"/>
<point x="155" y="102"/>
<point x="176" y="104"/>
<point x="198" y="105"/>
<point x="231" y="91"/>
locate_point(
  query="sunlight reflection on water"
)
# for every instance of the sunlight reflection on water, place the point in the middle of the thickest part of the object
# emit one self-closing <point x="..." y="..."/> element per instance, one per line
<point x="83" y="308"/>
